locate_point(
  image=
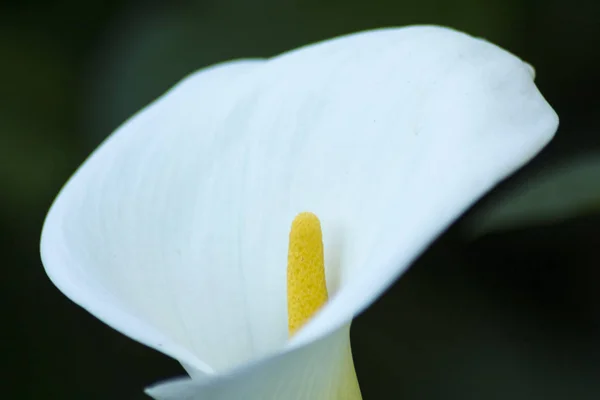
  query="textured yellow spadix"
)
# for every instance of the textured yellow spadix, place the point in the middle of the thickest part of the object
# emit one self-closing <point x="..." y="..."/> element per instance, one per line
<point x="306" y="288"/>
<point x="307" y="292"/>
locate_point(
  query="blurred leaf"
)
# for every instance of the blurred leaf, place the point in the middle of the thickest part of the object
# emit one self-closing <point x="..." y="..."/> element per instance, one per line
<point x="562" y="191"/>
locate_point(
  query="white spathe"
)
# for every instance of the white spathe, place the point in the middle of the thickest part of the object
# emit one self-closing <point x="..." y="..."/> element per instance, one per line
<point x="175" y="230"/>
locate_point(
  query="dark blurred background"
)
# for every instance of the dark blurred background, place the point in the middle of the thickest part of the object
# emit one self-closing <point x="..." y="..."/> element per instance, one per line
<point x="505" y="305"/>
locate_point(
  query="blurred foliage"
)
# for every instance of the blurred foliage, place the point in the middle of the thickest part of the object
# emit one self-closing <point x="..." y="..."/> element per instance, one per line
<point x="512" y="314"/>
<point x="568" y="189"/>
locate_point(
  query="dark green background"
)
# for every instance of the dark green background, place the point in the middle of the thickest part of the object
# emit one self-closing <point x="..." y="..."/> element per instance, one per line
<point x="511" y="315"/>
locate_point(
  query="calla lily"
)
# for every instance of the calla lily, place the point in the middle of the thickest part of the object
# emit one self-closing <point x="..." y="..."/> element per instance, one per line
<point x="175" y="230"/>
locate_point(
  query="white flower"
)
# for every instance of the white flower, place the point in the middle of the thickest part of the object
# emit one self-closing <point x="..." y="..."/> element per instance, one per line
<point x="175" y="230"/>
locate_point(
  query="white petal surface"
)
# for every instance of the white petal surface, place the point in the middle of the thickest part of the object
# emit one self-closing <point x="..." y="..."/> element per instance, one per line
<point x="175" y="231"/>
<point x="322" y="372"/>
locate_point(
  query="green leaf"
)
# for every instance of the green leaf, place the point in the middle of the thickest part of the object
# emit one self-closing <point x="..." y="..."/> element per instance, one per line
<point x="566" y="190"/>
